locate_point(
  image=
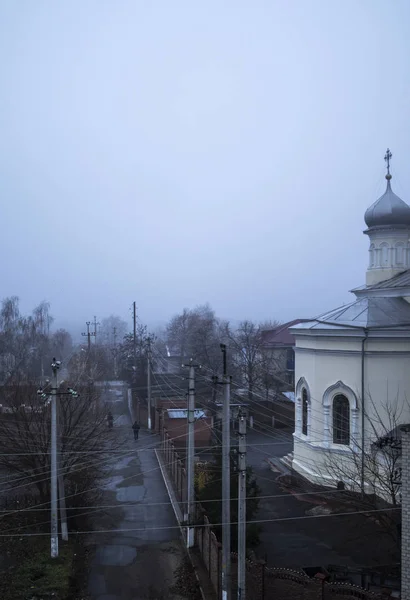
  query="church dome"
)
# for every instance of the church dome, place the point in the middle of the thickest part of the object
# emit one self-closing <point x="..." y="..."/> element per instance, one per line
<point x="389" y="210"/>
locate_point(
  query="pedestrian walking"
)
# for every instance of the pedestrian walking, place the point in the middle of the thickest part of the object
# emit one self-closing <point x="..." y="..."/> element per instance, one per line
<point x="110" y="420"/>
<point x="136" y="429"/>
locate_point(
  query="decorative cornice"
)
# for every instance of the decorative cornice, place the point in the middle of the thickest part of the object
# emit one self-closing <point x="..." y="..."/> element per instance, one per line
<point x="359" y="333"/>
<point x="382" y="293"/>
<point x="381" y="353"/>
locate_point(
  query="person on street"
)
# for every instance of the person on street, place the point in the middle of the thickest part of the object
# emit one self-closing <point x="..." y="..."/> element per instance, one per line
<point x="136" y="429"/>
<point x="110" y="420"/>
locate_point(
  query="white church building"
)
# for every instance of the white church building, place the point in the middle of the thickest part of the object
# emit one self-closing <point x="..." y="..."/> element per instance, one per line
<point x="352" y="364"/>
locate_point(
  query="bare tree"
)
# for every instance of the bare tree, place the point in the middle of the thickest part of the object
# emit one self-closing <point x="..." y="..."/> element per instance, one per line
<point x="24" y="340"/>
<point x="25" y="438"/>
<point x="196" y="333"/>
<point x="370" y="472"/>
<point x="246" y="346"/>
<point x="106" y="333"/>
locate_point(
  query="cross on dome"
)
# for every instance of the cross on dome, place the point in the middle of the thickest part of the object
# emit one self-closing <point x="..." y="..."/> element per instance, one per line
<point x="387" y="158"/>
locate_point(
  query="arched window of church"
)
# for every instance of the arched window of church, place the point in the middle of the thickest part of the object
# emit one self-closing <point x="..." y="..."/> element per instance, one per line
<point x="399" y="254"/>
<point x="304" y="412"/>
<point x="384" y="255"/>
<point x="341" y="420"/>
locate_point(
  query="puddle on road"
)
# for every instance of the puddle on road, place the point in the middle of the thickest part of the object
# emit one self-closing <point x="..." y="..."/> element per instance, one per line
<point x="115" y="556"/>
<point x="123" y="463"/>
<point x="132" y="493"/>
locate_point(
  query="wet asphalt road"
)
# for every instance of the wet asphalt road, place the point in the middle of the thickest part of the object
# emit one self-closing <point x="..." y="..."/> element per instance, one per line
<point x="306" y="542"/>
<point x="139" y="564"/>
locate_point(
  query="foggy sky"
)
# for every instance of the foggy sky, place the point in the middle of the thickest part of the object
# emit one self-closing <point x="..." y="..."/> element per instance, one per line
<point x="181" y="152"/>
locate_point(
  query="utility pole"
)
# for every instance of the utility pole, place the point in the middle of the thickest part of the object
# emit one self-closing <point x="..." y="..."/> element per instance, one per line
<point x="88" y="334"/>
<point x="226" y="483"/>
<point x="134" y="350"/>
<point x="149" y="383"/>
<point x="115" y="352"/>
<point x="57" y="478"/>
<point x="95" y="329"/>
<point x="55" y="365"/>
<point x="61" y="487"/>
<point x="242" y="508"/>
<point x="190" y="514"/>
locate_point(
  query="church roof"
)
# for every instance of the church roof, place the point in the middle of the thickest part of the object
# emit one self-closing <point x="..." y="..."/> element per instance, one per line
<point x="397" y="281"/>
<point x="369" y="313"/>
<point x="388" y="211"/>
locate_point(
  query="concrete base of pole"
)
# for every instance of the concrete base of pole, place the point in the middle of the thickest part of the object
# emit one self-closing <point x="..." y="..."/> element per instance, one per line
<point x="64" y="531"/>
<point x="54" y="546"/>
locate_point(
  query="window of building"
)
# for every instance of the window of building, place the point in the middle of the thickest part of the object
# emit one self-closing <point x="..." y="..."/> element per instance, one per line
<point x="341" y="420"/>
<point x="384" y="258"/>
<point x="399" y="254"/>
<point x="304" y="412"/>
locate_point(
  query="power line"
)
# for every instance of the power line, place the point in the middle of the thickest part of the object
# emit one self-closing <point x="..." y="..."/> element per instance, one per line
<point x="251" y="522"/>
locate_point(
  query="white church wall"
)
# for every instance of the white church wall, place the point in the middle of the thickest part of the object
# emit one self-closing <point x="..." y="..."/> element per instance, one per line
<point x="387" y="376"/>
<point x="387" y="392"/>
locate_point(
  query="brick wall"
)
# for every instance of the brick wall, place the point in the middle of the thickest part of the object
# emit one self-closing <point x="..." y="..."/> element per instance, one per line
<point x="405" y="515"/>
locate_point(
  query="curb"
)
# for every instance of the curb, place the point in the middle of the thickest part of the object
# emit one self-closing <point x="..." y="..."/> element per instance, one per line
<point x="179" y="517"/>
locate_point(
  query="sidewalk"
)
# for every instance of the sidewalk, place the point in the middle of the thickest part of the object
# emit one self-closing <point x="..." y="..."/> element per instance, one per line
<point x="140" y="561"/>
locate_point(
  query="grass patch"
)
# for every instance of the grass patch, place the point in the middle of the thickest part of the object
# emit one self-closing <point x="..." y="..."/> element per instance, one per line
<point x="36" y="575"/>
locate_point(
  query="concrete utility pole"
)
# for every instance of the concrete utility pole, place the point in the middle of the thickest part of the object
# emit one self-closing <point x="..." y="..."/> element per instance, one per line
<point x="115" y="352"/>
<point x="55" y="365"/>
<point x="95" y="329"/>
<point x="190" y="514"/>
<point x="242" y="508"/>
<point x="134" y="352"/>
<point x="226" y="483"/>
<point x="405" y="513"/>
<point x="149" y="383"/>
<point x="61" y="486"/>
